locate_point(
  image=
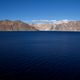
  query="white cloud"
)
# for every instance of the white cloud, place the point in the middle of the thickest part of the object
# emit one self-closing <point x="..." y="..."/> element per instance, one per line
<point x="44" y="21"/>
<point x="51" y="21"/>
<point x="40" y="20"/>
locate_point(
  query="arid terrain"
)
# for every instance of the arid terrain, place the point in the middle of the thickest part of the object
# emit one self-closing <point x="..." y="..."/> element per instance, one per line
<point x="8" y="25"/>
<point x="59" y="26"/>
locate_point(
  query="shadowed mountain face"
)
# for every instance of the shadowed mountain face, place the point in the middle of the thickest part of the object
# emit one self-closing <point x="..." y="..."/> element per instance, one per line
<point x="8" y="25"/>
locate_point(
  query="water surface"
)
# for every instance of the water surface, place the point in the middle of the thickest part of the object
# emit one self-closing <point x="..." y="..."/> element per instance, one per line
<point x="40" y="55"/>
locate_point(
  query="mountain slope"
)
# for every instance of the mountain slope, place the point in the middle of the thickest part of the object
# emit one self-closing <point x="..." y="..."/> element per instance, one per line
<point x="7" y="25"/>
<point x="59" y="26"/>
<point x="70" y="26"/>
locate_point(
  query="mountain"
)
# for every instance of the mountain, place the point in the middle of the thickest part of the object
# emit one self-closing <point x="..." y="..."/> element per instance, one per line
<point x="8" y="25"/>
<point x="70" y="26"/>
<point x="43" y="25"/>
<point x="61" y="25"/>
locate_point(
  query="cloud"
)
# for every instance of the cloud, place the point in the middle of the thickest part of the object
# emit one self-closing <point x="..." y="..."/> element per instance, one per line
<point x="44" y="21"/>
<point x="51" y="21"/>
<point x="40" y="20"/>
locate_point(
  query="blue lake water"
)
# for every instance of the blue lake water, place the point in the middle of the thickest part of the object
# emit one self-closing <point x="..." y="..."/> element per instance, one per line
<point x="39" y="55"/>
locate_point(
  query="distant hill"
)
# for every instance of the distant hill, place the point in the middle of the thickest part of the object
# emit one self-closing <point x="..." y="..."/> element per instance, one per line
<point x="8" y="25"/>
<point x="61" y="25"/>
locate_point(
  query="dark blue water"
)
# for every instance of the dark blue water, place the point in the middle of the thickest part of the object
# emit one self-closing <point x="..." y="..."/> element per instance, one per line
<point x="39" y="55"/>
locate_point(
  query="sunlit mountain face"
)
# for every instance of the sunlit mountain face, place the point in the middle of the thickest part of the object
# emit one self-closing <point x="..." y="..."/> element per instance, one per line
<point x="57" y="25"/>
<point x="40" y="25"/>
<point x="17" y="25"/>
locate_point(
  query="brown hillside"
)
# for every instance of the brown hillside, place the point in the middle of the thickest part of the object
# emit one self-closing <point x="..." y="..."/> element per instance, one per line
<point x="8" y="25"/>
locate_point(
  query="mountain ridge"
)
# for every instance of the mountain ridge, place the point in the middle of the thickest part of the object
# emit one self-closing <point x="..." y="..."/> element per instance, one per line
<point x="59" y="26"/>
<point x="17" y="25"/>
<point x="44" y="25"/>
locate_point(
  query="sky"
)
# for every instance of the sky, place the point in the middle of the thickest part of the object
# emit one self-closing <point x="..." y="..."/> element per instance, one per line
<point x="28" y="10"/>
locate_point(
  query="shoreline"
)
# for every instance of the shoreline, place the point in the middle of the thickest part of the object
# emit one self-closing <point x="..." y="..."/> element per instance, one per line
<point x="37" y="31"/>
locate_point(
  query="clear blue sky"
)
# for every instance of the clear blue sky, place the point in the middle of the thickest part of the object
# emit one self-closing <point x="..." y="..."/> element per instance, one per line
<point x="39" y="9"/>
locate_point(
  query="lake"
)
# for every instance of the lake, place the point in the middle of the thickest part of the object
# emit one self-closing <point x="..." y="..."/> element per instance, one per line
<point x="40" y="55"/>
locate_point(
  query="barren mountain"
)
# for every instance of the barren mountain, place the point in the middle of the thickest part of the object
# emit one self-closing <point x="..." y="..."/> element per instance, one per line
<point x="8" y="25"/>
<point x="59" y="26"/>
<point x="70" y="26"/>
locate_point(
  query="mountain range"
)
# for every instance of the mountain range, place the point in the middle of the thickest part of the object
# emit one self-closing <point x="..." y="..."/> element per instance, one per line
<point x="17" y="25"/>
<point x="40" y="25"/>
